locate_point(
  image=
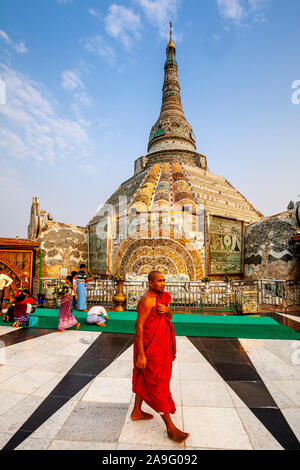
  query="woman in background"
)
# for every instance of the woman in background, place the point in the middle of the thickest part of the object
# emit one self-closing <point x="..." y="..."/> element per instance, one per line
<point x="81" y="288"/>
<point x="74" y="283"/>
<point x="65" y="317"/>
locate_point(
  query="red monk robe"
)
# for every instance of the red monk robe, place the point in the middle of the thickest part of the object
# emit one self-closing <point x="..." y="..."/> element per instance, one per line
<point x="152" y="384"/>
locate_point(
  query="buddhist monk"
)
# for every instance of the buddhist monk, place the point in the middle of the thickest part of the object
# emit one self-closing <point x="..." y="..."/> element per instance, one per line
<point x="154" y="352"/>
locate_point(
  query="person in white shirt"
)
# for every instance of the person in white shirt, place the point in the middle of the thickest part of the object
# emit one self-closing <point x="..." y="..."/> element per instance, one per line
<point x="97" y="316"/>
<point x="5" y="281"/>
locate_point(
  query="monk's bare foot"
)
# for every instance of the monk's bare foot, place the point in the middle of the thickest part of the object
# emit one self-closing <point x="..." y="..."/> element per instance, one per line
<point x="177" y="435"/>
<point x="139" y="414"/>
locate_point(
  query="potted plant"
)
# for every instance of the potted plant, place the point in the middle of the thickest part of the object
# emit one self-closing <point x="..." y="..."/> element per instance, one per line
<point x="61" y="290"/>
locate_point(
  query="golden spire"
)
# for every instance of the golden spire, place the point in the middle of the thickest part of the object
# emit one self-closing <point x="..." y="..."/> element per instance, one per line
<point x="171" y="44"/>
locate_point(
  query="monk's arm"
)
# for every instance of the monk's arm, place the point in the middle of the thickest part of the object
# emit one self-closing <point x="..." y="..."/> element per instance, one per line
<point x="163" y="309"/>
<point x="144" y="308"/>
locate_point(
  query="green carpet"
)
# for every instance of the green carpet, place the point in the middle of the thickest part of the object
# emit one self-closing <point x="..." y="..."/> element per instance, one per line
<point x="226" y="326"/>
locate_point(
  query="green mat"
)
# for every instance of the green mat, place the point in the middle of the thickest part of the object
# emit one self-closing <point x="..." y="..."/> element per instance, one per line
<point x="226" y="326"/>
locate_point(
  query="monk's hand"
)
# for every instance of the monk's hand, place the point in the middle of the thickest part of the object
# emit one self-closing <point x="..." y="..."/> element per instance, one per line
<point x="162" y="309"/>
<point x="141" y="361"/>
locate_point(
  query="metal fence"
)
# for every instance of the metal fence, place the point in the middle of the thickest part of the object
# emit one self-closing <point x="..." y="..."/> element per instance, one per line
<point x="101" y="292"/>
<point x="194" y="295"/>
<point x="273" y="293"/>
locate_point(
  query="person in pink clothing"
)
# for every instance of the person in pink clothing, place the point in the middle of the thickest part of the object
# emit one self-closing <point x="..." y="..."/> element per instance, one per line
<point x="65" y="317"/>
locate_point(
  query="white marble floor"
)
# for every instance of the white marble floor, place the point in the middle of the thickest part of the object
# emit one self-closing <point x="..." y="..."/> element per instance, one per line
<point x="98" y="416"/>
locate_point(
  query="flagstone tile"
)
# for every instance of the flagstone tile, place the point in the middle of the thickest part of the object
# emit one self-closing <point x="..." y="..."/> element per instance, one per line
<point x="214" y="394"/>
<point x="237" y="402"/>
<point x="219" y="428"/>
<point x="94" y="422"/>
<point x="293" y="418"/>
<point x="278" y="371"/>
<point x="58" y="363"/>
<point x="118" y="369"/>
<point x="127" y="355"/>
<point x="34" y="444"/>
<point x="4" y="438"/>
<point x="260" y="437"/>
<point x="175" y="369"/>
<point x="49" y="348"/>
<point x="282" y="349"/>
<point x="27" y="382"/>
<point x="81" y="445"/>
<point x="9" y="371"/>
<point x="175" y="388"/>
<point x="150" y="432"/>
<point x="291" y="388"/>
<point x="188" y="353"/>
<point x="75" y="349"/>
<point x="24" y="359"/>
<point x="254" y="394"/>
<point x="12" y="419"/>
<point x="281" y="398"/>
<point x="47" y="388"/>
<point x="202" y="372"/>
<point x="6" y="329"/>
<point x="109" y="390"/>
<point x="272" y="367"/>
<point x="133" y="446"/>
<point x="50" y="428"/>
<point x="24" y="346"/>
<point x="9" y="400"/>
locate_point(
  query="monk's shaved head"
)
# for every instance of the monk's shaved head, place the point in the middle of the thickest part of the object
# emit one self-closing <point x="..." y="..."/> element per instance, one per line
<point x="152" y="275"/>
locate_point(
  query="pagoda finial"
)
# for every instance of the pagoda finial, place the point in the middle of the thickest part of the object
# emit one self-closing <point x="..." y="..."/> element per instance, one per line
<point x="171" y="130"/>
<point x="171" y="44"/>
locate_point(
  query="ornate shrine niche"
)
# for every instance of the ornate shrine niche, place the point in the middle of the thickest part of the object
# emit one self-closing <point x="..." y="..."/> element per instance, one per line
<point x="225" y="246"/>
<point x="97" y="251"/>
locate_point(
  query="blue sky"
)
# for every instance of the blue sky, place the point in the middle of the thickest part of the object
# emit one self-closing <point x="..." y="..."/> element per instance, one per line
<point x="83" y="82"/>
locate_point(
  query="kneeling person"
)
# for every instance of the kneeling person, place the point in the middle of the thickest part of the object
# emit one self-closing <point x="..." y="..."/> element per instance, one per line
<point x="21" y="311"/>
<point x="97" y="316"/>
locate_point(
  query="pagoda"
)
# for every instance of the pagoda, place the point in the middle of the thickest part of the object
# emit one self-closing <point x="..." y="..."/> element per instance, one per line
<point x="174" y="214"/>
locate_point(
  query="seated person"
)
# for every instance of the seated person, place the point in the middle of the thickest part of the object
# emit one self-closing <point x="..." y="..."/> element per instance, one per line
<point x="27" y="299"/>
<point x="22" y="310"/>
<point x="41" y="300"/>
<point x="18" y="292"/>
<point x="97" y="316"/>
<point x="8" y="315"/>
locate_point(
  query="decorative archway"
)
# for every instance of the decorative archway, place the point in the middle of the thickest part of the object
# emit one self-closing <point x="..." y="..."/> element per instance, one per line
<point x="172" y="257"/>
<point x="17" y="257"/>
<point x="13" y="272"/>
